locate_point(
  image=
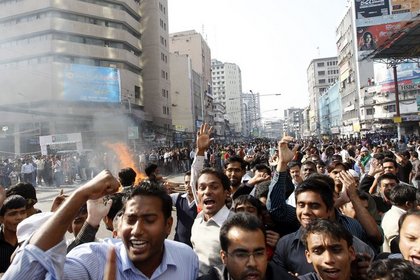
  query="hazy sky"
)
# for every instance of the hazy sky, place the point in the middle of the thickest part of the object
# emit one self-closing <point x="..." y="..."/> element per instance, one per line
<point x="272" y="41"/>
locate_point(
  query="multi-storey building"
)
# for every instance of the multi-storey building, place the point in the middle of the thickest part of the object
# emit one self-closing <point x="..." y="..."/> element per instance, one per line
<point x="251" y="115"/>
<point x="330" y="111"/>
<point x="155" y="63"/>
<point x="367" y="87"/>
<point x="293" y="122"/>
<point x="227" y="90"/>
<point x="62" y="61"/>
<point x="273" y="129"/>
<point x="182" y="95"/>
<point x="321" y="73"/>
<point x="192" y="43"/>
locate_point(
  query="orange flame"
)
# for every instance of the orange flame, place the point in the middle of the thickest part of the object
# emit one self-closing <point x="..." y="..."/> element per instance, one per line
<point x="126" y="159"/>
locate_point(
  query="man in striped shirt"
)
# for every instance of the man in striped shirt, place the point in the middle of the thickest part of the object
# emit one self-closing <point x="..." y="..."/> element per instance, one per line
<point x="142" y="253"/>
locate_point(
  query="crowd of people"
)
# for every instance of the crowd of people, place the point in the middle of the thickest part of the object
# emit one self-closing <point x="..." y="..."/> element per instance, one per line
<point x="342" y="209"/>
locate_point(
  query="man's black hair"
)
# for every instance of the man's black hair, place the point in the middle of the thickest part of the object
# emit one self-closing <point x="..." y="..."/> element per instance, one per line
<point x="411" y="212"/>
<point x="401" y="194"/>
<point x="222" y="177"/>
<point x="117" y="204"/>
<point x="333" y="165"/>
<point x="241" y="220"/>
<point x="12" y="202"/>
<point x="330" y="228"/>
<point x="309" y="162"/>
<point x="321" y="184"/>
<point x="236" y="159"/>
<point x="127" y="176"/>
<point x="388" y="176"/>
<point x="243" y="199"/>
<point x="387" y="159"/>
<point x="150" y="169"/>
<point x="292" y="164"/>
<point x="149" y="188"/>
<point x="188" y="173"/>
<point x="395" y="269"/>
<point x="26" y="190"/>
<point x="263" y="167"/>
<point x="262" y="189"/>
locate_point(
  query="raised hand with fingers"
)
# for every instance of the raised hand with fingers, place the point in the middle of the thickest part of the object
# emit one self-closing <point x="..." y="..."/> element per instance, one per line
<point x="349" y="183"/>
<point x="97" y="209"/>
<point x="285" y="154"/>
<point x="203" y="138"/>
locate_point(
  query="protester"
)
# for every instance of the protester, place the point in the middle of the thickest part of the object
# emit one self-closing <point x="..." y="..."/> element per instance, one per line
<point x="143" y="251"/>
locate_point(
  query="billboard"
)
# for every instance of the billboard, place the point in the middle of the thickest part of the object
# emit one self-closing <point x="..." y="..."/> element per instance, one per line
<point x="408" y="77"/>
<point x="91" y="83"/>
<point x="371" y="8"/>
<point x="371" y="37"/>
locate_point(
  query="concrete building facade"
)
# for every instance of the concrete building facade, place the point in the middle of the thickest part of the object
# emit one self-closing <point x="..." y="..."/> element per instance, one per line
<point x="49" y="46"/>
<point x="155" y="62"/>
<point x="321" y="73"/>
<point x="251" y="114"/>
<point x="227" y="89"/>
<point x="192" y="43"/>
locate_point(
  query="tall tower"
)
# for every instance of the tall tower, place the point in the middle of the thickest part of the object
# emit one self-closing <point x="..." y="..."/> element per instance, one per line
<point x="227" y="87"/>
<point x="155" y="62"/>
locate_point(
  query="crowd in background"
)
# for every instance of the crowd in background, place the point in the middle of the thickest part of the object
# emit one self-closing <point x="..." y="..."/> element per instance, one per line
<point x="359" y="192"/>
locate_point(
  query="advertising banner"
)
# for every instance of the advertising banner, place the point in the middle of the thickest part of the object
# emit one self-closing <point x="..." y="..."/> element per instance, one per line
<point x="371" y="8"/>
<point x="371" y="37"/>
<point x="408" y="77"/>
<point x="91" y="83"/>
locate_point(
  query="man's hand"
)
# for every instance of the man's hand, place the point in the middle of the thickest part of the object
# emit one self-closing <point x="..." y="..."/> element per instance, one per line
<point x="58" y="200"/>
<point x="259" y="178"/>
<point x="271" y="238"/>
<point x="375" y="167"/>
<point x="349" y="183"/>
<point x="285" y="154"/>
<point x="97" y="209"/>
<point x="274" y="160"/>
<point x="203" y="138"/>
<point x="102" y="184"/>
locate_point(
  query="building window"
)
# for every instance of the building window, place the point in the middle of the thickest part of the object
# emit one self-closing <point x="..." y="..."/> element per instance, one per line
<point x="136" y="92"/>
<point x="320" y="64"/>
<point x="370" y="111"/>
<point x="321" y="81"/>
<point x="321" y="73"/>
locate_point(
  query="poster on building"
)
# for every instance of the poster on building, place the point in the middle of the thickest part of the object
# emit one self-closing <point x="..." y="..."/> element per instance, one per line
<point x="371" y="8"/>
<point x="408" y="77"/>
<point x="370" y="38"/>
<point x="91" y="83"/>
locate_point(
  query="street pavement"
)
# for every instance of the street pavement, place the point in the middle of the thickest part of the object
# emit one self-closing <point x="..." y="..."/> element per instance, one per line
<point x="46" y="195"/>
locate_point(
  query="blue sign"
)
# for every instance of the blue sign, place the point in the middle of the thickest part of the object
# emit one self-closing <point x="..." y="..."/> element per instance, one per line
<point x="91" y="83"/>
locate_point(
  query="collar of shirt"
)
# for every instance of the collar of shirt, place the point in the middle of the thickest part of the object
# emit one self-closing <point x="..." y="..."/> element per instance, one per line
<point x="167" y="260"/>
<point x="219" y="218"/>
<point x="190" y="203"/>
<point x="297" y="235"/>
<point x="398" y="210"/>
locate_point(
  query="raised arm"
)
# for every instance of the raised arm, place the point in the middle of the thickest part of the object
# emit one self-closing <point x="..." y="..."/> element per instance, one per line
<point x="52" y="232"/>
<point x="362" y="214"/>
<point x="203" y="142"/>
<point x="276" y="200"/>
